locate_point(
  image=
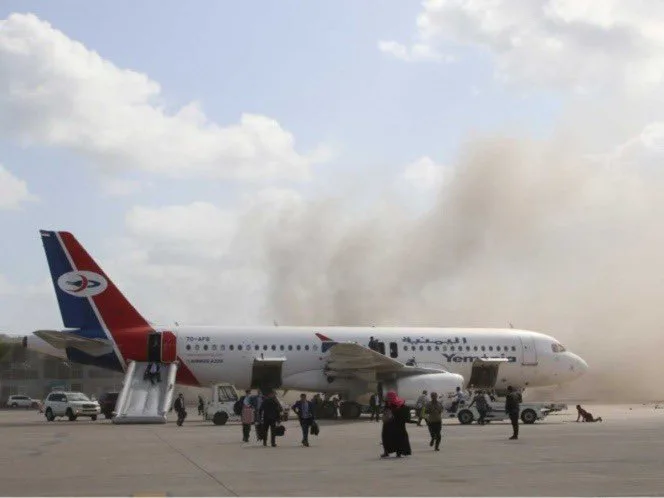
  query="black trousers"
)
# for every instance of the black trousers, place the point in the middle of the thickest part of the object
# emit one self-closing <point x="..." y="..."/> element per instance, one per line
<point x="374" y="410"/>
<point x="305" y="423"/>
<point x="435" y="429"/>
<point x="246" y="430"/>
<point x="269" y="424"/>
<point x="482" y="416"/>
<point x="514" y="418"/>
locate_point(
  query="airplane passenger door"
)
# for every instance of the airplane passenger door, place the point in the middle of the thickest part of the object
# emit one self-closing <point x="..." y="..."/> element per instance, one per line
<point x="154" y="347"/>
<point x="529" y="351"/>
<point x="380" y="347"/>
<point x="266" y="373"/>
<point x="394" y="350"/>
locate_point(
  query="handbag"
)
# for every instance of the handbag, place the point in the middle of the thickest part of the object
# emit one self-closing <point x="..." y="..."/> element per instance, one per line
<point x="279" y="430"/>
<point x="315" y="430"/>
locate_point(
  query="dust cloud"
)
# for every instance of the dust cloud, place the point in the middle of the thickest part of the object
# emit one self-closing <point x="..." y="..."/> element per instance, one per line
<point x="533" y="233"/>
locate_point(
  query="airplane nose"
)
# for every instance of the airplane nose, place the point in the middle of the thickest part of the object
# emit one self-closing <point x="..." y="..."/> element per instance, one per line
<point x="579" y="365"/>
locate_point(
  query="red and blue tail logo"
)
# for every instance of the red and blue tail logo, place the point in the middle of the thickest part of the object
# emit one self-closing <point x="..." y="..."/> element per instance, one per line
<point x="91" y="304"/>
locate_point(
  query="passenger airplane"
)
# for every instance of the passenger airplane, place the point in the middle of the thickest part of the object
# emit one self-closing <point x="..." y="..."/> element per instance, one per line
<point x="104" y="329"/>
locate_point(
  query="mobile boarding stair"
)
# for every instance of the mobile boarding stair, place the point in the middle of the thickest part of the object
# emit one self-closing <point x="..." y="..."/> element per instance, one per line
<point x="141" y="401"/>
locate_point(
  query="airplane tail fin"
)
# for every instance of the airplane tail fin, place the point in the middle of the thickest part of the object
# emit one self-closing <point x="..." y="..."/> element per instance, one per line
<point x="89" y="301"/>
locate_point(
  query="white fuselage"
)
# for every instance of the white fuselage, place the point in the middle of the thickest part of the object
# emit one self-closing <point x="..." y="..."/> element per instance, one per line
<point x="216" y="354"/>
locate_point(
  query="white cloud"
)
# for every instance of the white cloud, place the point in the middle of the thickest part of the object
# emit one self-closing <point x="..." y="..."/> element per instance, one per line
<point x="418" y="52"/>
<point x="570" y="43"/>
<point x="13" y="192"/>
<point x="54" y="91"/>
<point x="198" y="230"/>
<point x="424" y="174"/>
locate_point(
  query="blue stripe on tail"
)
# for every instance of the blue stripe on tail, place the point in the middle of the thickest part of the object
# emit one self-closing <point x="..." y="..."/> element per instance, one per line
<point x="77" y="313"/>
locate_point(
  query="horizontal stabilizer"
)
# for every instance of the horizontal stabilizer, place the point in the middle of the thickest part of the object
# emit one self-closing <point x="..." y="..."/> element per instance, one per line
<point x="63" y="340"/>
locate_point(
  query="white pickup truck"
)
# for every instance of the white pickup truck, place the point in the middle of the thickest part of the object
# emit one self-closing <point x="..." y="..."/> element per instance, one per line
<point x="529" y="412"/>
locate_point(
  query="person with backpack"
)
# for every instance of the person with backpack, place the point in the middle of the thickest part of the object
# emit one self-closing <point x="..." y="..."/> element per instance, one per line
<point x="244" y="408"/>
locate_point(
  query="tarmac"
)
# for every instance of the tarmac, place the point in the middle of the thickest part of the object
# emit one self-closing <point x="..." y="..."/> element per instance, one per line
<point x="556" y="457"/>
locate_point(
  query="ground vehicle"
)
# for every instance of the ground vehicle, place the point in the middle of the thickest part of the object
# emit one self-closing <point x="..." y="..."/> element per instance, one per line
<point x="219" y="408"/>
<point x="71" y="405"/>
<point x="107" y="403"/>
<point x="21" y="401"/>
<point x="530" y="412"/>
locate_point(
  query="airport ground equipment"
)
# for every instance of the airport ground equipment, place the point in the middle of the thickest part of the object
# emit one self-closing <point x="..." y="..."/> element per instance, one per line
<point x="529" y="412"/>
<point x="219" y="408"/>
<point x="141" y="401"/>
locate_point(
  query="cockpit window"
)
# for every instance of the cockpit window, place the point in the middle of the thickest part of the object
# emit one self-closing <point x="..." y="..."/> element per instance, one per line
<point x="558" y="348"/>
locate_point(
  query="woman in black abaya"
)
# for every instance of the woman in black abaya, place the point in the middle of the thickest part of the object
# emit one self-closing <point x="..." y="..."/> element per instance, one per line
<point x="395" y="417"/>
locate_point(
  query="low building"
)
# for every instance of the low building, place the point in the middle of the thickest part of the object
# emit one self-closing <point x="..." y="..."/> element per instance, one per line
<point x="26" y="372"/>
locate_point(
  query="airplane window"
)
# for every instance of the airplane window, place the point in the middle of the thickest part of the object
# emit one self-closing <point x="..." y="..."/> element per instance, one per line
<point x="437" y="348"/>
<point x="444" y="348"/>
<point x="222" y="347"/>
<point x="239" y="348"/>
<point x="264" y="347"/>
<point x="231" y="347"/>
<point x="497" y="348"/>
<point x="306" y="347"/>
<point x="513" y="348"/>
<point x="256" y="347"/>
<point x="421" y="348"/>
<point x="281" y="347"/>
<point x="451" y="348"/>
<point x="298" y="347"/>
<point x="428" y="348"/>
<point x="475" y="348"/>
<point x="274" y="348"/>
<point x="483" y="348"/>
<point x="290" y="348"/>
<point x="197" y="347"/>
<point x="214" y="347"/>
<point x="467" y="348"/>
<point x="490" y="348"/>
<point x="205" y="347"/>
<point x="188" y="347"/>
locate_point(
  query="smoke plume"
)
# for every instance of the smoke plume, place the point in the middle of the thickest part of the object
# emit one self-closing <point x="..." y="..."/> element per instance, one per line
<point x="529" y="232"/>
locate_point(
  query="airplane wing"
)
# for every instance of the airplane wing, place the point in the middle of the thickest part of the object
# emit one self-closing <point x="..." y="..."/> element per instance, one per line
<point x="63" y="340"/>
<point x="350" y="357"/>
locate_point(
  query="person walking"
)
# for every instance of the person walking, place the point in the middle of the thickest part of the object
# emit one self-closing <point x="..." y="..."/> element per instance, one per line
<point x="305" y="413"/>
<point x="482" y="406"/>
<point x="419" y="407"/>
<point x="374" y="408"/>
<point x="433" y="411"/>
<point x="512" y="402"/>
<point x="270" y="415"/>
<point x="247" y="415"/>
<point x="394" y="435"/>
<point x="178" y="406"/>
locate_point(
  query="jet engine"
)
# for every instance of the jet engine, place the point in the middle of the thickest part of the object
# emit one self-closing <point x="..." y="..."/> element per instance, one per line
<point x="410" y="388"/>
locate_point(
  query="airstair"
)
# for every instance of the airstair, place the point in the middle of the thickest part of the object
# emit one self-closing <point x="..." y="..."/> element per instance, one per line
<point x="141" y="401"/>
